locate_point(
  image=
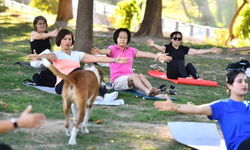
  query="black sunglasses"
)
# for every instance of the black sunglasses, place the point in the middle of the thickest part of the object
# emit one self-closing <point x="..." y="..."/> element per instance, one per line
<point x="179" y="39"/>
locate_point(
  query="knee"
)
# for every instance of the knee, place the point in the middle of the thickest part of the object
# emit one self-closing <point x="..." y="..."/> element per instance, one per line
<point x="141" y="76"/>
<point x="189" y="65"/>
<point x="134" y="75"/>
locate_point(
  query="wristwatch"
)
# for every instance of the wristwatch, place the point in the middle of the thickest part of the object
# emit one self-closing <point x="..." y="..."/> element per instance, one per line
<point x="13" y="120"/>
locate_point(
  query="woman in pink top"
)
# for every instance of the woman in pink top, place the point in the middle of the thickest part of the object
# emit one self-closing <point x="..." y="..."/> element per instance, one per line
<point x="67" y="61"/>
<point x="122" y="76"/>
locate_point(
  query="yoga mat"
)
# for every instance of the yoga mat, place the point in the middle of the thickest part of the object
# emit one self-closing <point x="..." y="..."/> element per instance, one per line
<point x="99" y="100"/>
<point x="141" y="94"/>
<point x="162" y="75"/>
<point x="27" y="64"/>
<point x="202" y="136"/>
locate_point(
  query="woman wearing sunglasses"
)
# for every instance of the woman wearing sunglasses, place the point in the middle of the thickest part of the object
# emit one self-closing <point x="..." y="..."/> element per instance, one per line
<point x="177" y="68"/>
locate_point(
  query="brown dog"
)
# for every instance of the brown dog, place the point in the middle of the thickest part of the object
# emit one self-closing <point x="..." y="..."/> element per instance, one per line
<point x="80" y="90"/>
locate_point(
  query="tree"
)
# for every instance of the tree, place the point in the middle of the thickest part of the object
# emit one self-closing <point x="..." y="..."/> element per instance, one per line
<point x="50" y="6"/>
<point x="237" y="11"/>
<point x="151" y="24"/>
<point x="64" y="12"/>
<point x="207" y="16"/>
<point x="84" y="26"/>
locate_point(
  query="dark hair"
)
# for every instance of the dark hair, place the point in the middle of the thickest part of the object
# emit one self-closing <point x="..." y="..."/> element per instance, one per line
<point x="230" y="78"/>
<point x="174" y="33"/>
<point x="116" y="34"/>
<point x="39" y="18"/>
<point x="61" y="34"/>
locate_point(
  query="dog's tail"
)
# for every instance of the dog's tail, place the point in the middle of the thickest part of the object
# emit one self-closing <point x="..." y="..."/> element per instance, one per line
<point x="56" y="72"/>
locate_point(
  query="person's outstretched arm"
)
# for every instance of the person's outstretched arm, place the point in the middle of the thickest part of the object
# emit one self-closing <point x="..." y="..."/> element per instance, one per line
<point x="158" y="56"/>
<point x="233" y="49"/>
<point x="87" y="58"/>
<point x="41" y="36"/>
<point x="26" y="120"/>
<point x="204" y="51"/>
<point x="151" y="43"/>
<point x="183" y="108"/>
<point x="50" y="56"/>
<point x="95" y="51"/>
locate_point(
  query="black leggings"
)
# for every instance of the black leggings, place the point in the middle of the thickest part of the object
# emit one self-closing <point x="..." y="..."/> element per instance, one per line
<point x="245" y="145"/>
<point x="180" y="70"/>
<point x="5" y="147"/>
<point x="59" y="86"/>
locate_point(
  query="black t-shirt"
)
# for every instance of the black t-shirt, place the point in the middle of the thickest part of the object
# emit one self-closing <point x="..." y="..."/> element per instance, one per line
<point x="176" y="54"/>
<point x="40" y="45"/>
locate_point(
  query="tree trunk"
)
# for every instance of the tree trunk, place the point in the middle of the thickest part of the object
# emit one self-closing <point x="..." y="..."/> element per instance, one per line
<point x="231" y="35"/>
<point x="151" y="24"/>
<point x="65" y="11"/>
<point x="84" y="26"/>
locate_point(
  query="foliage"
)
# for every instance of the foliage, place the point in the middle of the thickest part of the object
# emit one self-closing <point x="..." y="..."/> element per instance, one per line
<point x="242" y="31"/>
<point x="127" y="15"/>
<point x="2" y="7"/>
<point x="220" y="39"/>
<point x="50" y="6"/>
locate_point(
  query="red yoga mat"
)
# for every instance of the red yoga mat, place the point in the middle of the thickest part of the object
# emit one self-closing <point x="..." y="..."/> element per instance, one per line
<point x="162" y="75"/>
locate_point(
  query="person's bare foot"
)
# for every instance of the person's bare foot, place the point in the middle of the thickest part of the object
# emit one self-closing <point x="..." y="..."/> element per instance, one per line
<point x="151" y="92"/>
<point x="157" y="91"/>
<point x="154" y="92"/>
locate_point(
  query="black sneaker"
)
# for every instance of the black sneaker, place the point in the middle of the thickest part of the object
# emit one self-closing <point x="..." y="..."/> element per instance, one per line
<point x="162" y="88"/>
<point x="172" y="90"/>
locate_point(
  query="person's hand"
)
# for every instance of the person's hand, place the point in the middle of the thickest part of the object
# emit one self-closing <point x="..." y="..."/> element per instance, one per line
<point x="216" y="50"/>
<point x="166" y="105"/>
<point x="163" y="57"/>
<point x="28" y="120"/>
<point x="54" y="32"/>
<point x="95" y="51"/>
<point x="121" y="60"/>
<point x="232" y="49"/>
<point x="150" y="42"/>
<point x="33" y="57"/>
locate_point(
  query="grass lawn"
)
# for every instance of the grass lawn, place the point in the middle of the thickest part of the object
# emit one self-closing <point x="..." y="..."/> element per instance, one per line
<point x="135" y="125"/>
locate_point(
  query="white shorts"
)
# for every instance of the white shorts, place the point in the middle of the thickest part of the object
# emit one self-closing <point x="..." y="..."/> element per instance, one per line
<point x="39" y="63"/>
<point x="121" y="83"/>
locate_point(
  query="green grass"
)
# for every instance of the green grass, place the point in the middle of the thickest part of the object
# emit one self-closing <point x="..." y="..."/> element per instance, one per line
<point x="124" y="127"/>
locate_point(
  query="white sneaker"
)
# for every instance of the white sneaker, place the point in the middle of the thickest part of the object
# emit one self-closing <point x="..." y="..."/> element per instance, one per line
<point x="110" y="97"/>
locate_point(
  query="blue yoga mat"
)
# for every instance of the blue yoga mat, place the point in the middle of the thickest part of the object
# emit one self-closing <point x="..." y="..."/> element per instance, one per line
<point x="141" y="94"/>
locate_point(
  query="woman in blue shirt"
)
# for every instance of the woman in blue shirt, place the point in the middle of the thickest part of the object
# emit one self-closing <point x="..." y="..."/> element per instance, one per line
<point x="233" y="113"/>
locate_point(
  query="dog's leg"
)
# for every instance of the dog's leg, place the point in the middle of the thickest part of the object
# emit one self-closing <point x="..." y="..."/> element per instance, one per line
<point x="72" y="140"/>
<point x="84" y="128"/>
<point x="66" y="108"/>
<point x="74" y="112"/>
<point x="81" y="113"/>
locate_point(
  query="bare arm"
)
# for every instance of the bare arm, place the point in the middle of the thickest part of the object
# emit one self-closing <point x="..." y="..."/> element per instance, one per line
<point x="183" y="108"/>
<point x="41" y="36"/>
<point x="26" y="120"/>
<point x="204" y="51"/>
<point x="95" y="51"/>
<point x="152" y="55"/>
<point x="151" y="43"/>
<point x="50" y="56"/>
<point x="238" y="49"/>
<point x="87" y="58"/>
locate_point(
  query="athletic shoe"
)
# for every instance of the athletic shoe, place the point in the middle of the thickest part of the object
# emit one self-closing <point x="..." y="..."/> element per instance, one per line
<point x="172" y="90"/>
<point x="162" y="88"/>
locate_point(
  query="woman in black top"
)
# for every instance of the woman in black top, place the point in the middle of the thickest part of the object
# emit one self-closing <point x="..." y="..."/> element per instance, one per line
<point x="40" y="38"/>
<point x="176" y="68"/>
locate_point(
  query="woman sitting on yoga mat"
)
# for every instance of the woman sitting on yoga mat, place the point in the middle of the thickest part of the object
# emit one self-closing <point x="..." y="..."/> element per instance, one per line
<point x="40" y="43"/>
<point x="67" y="61"/>
<point x="233" y="113"/>
<point x="122" y="76"/>
<point x="176" y="68"/>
